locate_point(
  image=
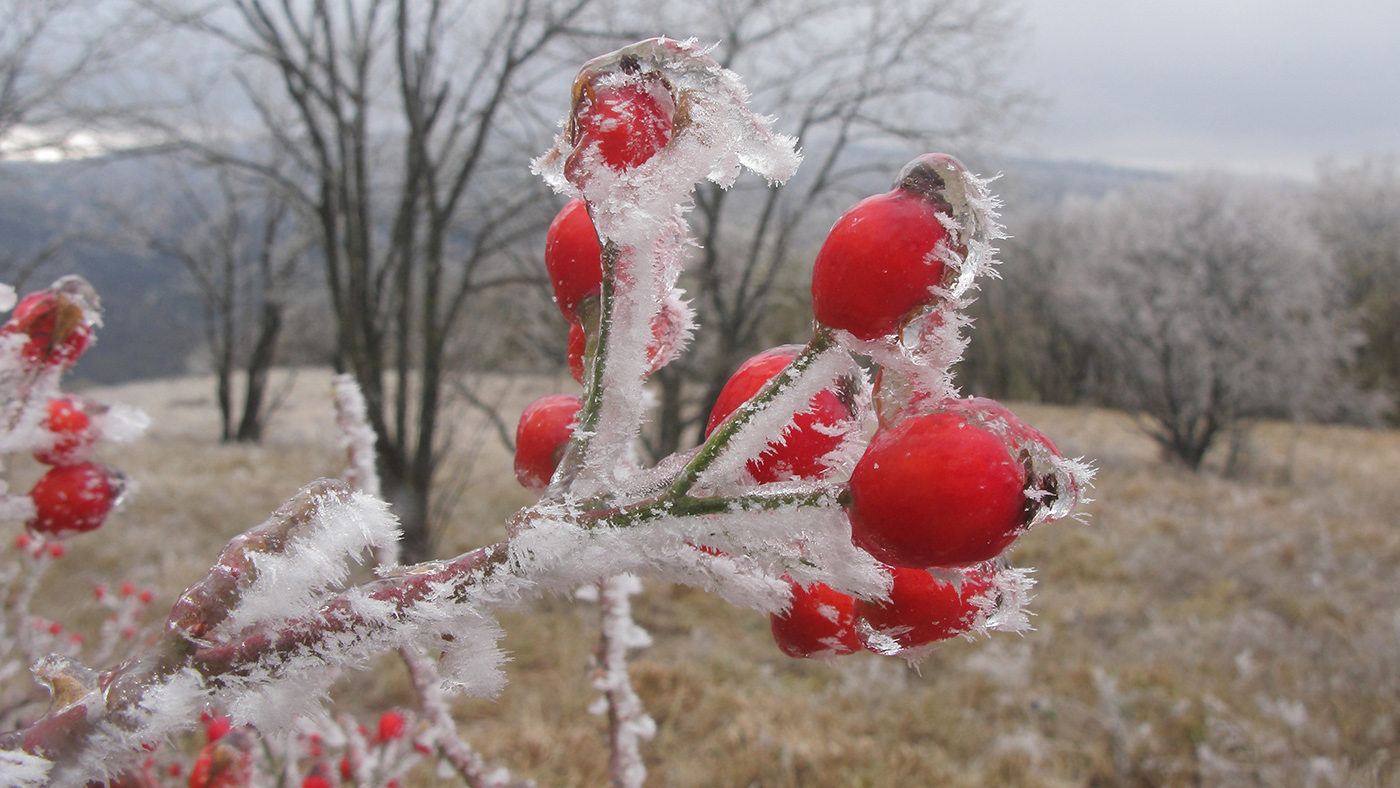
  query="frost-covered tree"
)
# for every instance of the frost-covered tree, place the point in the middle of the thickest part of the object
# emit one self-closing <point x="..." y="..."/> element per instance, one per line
<point x="406" y="129"/>
<point x="1358" y="217"/>
<point x="1212" y="301"/>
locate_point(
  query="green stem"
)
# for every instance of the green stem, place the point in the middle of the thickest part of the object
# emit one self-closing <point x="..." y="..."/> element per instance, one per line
<point x="597" y="314"/>
<point x="823" y="339"/>
<point x="669" y="505"/>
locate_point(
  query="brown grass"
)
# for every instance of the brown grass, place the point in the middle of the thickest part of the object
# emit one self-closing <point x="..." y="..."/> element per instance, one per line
<point x="1197" y="630"/>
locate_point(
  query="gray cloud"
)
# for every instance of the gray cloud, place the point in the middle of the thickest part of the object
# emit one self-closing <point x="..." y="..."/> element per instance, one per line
<point x="1252" y="85"/>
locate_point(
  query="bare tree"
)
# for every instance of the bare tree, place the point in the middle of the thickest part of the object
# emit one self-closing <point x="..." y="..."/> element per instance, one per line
<point x="1358" y="217"/>
<point x="1024" y="348"/>
<point x="50" y="50"/>
<point x="1213" y="301"/>
<point x="54" y="57"/>
<point x="240" y="243"/>
<point x="864" y="85"/>
<point x="408" y="128"/>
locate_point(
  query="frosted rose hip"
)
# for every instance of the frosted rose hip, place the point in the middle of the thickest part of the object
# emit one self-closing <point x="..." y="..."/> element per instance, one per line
<point x="883" y="259"/>
<point x="73" y="499"/>
<point x="938" y="489"/>
<point x="812" y="435"/>
<point x="922" y="608"/>
<point x="573" y="257"/>
<point x="540" y="437"/>
<point x="820" y="623"/>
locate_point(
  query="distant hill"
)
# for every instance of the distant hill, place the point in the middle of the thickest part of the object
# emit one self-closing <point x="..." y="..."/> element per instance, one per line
<point x="1034" y="180"/>
<point x="153" y="326"/>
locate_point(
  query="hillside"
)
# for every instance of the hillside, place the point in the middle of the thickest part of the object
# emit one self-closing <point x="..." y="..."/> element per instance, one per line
<point x="1195" y="631"/>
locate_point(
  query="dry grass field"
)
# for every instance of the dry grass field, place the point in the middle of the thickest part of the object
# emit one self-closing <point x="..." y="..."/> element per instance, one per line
<point x="1198" y="630"/>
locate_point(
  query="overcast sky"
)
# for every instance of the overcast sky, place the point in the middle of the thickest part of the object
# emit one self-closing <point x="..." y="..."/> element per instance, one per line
<point x="1253" y="86"/>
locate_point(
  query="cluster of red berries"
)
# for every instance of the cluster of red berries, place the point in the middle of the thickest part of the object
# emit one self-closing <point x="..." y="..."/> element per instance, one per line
<point x="936" y="496"/>
<point x="76" y="494"/>
<point x="945" y="484"/>
<point x="227" y="761"/>
<point x="943" y="488"/>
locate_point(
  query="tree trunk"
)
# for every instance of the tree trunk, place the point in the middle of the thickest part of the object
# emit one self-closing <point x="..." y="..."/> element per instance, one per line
<point x="250" y="426"/>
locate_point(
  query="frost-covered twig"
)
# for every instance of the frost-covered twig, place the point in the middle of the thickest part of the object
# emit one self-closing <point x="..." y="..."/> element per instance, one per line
<point x="361" y="472"/>
<point x="628" y="722"/>
<point x="441" y="734"/>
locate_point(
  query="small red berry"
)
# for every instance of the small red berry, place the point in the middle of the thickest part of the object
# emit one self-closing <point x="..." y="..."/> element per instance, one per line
<point x="216" y="727"/>
<point x="56" y="550"/>
<point x="820" y="623"/>
<point x="99" y="592"/>
<point x="66" y="418"/>
<point x="939" y="489"/>
<point x="812" y="435"/>
<point x="316" y="779"/>
<point x="74" y="498"/>
<point x="540" y="437"/>
<point x="573" y="257"/>
<point x="883" y="259"/>
<point x="126" y="589"/>
<point x="621" y="125"/>
<point x="221" y="765"/>
<point x="22" y="541"/>
<point x="391" y="726"/>
<point x="145" y="597"/>
<point x="345" y="772"/>
<point x="55" y="322"/>
<point x="923" y="607"/>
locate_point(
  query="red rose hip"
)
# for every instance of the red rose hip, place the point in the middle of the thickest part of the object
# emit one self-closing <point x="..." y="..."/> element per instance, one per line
<point x="812" y="435"/>
<point x="55" y="322"/>
<point x="922" y="608"/>
<point x="939" y="489"/>
<point x="73" y="499"/>
<point x="820" y="623"/>
<point x="540" y="437"/>
<point x="621" y="123"/>
<point x="67" y="420"/>
<point x="573" y="257"/>
<point x="883" y="259"/>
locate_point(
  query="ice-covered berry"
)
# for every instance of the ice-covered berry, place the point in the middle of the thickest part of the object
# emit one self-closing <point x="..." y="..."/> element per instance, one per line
<point x="940" y="489"/>
<point x="573" y="257"/>
<point x="813" y="434"/>
<point x="923" y="607"/>
<point x="73" y="499"/>
<point x="820" y="623"/>
<point x="619" y="121"/>
<point x="540" y="437"/>
<point x="884" y="259"/>
<point x="67" y="420"/>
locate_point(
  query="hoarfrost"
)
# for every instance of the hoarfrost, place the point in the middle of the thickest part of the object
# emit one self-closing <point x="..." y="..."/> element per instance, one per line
<point x="121" y="423"/>
<point x="18" y="768"/>
<point x="639" y="215"/>
<point x="767" y="426"/>
<point x="313" y="562"/>
<point x="357" y="436"/>
<point x="1003" y="607"/>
